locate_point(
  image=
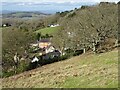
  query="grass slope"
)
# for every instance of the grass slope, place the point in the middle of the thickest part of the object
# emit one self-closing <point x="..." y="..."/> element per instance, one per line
<point x="48" y="30"/>
<point x="84" y="71"/>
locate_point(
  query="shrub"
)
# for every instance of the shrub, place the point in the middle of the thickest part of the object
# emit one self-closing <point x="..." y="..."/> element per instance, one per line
<point x="71" y="15"/>
<point x="83" y="7"/>
<point x="22" y="66"/>
<point x="77" y="52"/>
<point x="32" y="65"/>
<point x="63" y="57"/>
<point x="7" y="74"/>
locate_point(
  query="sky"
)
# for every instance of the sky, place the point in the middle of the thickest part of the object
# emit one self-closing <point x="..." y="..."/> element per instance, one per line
<point x="59" y="1"/>
<point x="47" y="6"/>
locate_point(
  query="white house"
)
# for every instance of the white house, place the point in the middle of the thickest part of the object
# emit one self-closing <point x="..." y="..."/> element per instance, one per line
<point x="4" y="25"/>
<point x="49" y="49"/>
<point x="54" y="25"/>
<point x="35" y="59"/>
<point x="34" y="44"/>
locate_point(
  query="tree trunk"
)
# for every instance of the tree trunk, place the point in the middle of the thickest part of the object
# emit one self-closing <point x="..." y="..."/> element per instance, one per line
<point x="84" y="50"/>
<point x="62" y="49"/>
<point x="94" y="48"/>
<point x="116" y="43"/>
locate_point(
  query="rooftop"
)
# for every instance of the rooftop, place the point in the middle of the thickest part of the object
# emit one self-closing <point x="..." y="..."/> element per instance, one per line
<point x="44" y="40"/>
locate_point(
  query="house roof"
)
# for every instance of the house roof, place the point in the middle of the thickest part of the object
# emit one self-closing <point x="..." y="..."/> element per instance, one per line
<point x="44" y="40"/>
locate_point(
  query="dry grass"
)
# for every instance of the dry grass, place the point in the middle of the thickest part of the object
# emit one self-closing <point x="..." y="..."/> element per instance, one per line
<point x="83" y="71"/>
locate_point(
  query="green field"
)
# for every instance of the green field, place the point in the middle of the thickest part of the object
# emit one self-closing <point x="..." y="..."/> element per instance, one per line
<point x="84" y="71"/>
<point x="48" y="30"/>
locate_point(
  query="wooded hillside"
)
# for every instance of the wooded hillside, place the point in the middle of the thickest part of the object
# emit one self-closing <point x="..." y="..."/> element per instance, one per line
<point x="89" y="27"/>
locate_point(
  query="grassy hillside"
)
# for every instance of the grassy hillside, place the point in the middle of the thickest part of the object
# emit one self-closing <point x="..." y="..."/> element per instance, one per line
<point x="48" y="30"/>
<point x="25" y="15"/>
<point x="84" y="71"/>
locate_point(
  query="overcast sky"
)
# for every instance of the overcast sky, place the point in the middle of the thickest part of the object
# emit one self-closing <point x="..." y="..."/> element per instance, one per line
<point x="59" y="1"/>
<point x="47" y="6"/>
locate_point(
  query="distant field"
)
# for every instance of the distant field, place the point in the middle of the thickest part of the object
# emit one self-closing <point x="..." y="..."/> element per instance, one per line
<point x="84" y="71"/>
<point x="48" y="30"/>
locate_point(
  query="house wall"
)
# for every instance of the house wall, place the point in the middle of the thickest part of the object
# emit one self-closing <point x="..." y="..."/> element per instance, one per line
<point x="34" y="45"/>
<point x="51" y="49"/>
<point x="51" y="55"/>
<point x="44" y="45"/>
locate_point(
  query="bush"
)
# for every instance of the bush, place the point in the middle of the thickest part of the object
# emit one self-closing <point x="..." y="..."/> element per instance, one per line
<point x="64" y="57"/>
<point x="32" y="65"/>
<point x="83" y="7"/>
<point x="7" y="74"/>
<point x="71" y="15"/>
<point x="22" y="67"/>
<point x="77" y="52"/>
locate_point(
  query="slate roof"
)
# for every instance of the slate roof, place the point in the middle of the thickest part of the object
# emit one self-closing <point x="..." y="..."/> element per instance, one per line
<point x="44" y="40"/>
